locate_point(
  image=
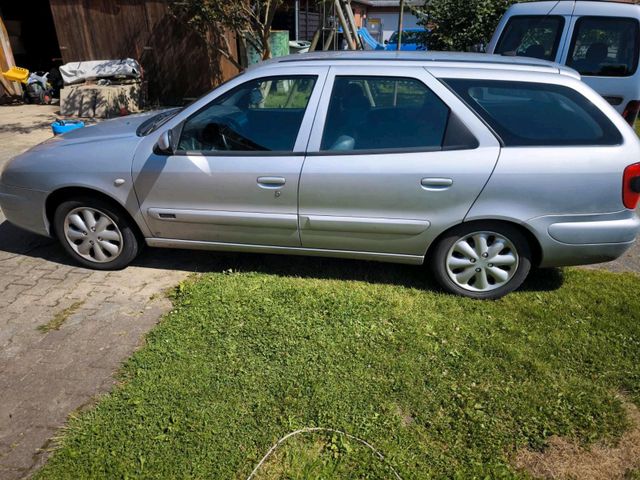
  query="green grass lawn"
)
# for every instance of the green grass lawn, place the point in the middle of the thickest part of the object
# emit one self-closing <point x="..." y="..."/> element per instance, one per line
<point x="443" y="386"/>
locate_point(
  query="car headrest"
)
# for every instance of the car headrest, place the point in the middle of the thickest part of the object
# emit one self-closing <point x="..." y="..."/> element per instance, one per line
<point x="535" y="51"/>
<point x="597" y="52"/>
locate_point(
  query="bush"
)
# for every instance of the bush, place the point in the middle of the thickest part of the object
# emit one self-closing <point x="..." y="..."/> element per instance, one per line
<point x="459" y="25"/>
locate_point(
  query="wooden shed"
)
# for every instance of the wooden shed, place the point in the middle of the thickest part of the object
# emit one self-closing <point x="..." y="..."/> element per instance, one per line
<point x="174" y="59"/>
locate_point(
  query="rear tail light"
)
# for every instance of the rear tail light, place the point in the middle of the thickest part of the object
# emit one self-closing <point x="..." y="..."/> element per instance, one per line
<point x="631" y="186"/>
<point x="631" y="111"/>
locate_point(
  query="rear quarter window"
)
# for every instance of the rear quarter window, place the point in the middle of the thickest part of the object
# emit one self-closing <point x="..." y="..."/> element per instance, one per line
<point x="605" y="46"/>
<point x="534" y="114"/>
<point x="534" y="36"/>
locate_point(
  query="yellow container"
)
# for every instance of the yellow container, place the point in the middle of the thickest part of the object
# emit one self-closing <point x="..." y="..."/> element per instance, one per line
<point x="17" y="74"/>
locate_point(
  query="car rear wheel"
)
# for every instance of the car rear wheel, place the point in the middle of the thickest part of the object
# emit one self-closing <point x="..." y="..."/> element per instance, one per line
<point x="482" y="260"/>
<point x="96" y="234"/>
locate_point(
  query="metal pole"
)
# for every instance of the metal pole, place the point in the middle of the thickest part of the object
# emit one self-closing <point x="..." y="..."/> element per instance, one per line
<point x="400" y="24"/>
<point x="296" y="19"/>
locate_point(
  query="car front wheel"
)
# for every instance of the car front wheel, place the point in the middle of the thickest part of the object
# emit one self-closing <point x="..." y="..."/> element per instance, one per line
<point x="96" y="233"/>
<point x="482" y="260"/>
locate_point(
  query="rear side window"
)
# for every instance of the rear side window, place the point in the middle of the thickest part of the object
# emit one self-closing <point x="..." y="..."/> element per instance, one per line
<point x="534" y="114"/>
<point x="383" y="113"/>
<point x="535" y="36"/>
<point x="604" y="46"/>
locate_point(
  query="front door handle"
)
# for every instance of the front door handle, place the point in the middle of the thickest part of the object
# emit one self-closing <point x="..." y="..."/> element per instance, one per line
<point x="436" y="183"/>
<point x="271" y="182"/>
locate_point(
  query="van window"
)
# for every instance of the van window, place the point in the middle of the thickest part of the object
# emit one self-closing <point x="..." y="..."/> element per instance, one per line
<point x="604" y="46"/>
<point x="383" y="113"/>
<point x="534" y="114"/>
<point x="536" y="36"/>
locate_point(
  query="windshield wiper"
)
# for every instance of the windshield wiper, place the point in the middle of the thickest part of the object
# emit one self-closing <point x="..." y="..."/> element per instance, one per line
<point x="155" y="122"/>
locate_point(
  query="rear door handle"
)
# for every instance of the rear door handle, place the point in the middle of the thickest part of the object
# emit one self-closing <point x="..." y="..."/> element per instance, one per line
<point x="271" y="182"/>
<point x="436" y="183"/>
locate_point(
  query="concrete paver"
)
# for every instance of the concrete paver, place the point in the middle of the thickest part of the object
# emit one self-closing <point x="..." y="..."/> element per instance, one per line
<point x="44" y="376"/>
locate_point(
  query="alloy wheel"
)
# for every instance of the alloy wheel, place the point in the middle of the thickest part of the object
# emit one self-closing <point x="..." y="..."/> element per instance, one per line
<point x="482" y="261"/>
<point x="93" y="235"/>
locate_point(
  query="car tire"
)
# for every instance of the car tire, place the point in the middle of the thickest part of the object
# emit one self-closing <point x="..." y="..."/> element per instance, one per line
<point x="97" y="234"/>
<point x="481" y="260"/>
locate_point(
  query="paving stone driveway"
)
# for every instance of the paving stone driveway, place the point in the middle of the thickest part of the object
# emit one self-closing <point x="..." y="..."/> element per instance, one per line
<point x="44" y="376"/>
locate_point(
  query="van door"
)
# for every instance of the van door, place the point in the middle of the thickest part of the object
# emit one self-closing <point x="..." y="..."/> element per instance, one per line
<point x="394" y="159"/>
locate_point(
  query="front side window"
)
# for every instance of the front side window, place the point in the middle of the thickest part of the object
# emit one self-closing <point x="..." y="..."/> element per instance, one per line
<point x="535" y="114"/>
<point x="383" y="113"/>
<point x="535" y="36"/>
<point x="260" y="115"/>
<point x="604" y="46"/>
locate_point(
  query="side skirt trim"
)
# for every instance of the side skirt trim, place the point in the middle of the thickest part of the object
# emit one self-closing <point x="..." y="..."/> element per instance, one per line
<point x="240" y="247"/>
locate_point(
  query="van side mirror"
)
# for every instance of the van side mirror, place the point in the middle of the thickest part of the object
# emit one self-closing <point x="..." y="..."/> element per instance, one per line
<point x="164" y="144"/>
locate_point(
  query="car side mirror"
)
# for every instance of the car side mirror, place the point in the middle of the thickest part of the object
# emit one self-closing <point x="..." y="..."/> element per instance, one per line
<point x="386" y="42"/>
<point x="164" y="144"/>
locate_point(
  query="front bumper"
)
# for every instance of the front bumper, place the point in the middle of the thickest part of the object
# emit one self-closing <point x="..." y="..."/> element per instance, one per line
<point x="585" y="239"/>
<point x="25" y="208"/>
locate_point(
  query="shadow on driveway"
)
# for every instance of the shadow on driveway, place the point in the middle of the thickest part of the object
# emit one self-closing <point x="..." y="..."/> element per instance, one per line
<point x="16" y="242"/>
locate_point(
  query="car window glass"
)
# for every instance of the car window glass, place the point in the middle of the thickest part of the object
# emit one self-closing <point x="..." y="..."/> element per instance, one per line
<point x="371" y="113"/>
<point x="534" y="114"/>
<point x="260" y="115"/>
<point x="604" y="46"/>
<point x="407" y="37"/>
<point x="535" y="36"/>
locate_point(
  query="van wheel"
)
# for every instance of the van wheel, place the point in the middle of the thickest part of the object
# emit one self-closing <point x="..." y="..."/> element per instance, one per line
<point x="96" y="234"/>
<point x="481" y="260"/>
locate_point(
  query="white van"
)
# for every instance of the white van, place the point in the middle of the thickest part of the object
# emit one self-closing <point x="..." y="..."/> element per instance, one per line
<point x="599" y="39"/>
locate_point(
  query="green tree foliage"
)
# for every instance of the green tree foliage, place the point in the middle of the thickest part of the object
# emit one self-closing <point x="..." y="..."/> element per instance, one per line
<point x="460" y="24"/>
<point x="249" y="20"/>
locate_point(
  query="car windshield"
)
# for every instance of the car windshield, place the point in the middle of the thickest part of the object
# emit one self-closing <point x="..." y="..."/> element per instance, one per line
<point x="156" y="121"/>
<point x="407" y="37"/>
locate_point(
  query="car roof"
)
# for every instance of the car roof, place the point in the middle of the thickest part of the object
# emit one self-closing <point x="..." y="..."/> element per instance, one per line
<point x="566" y="7"/>
<point x="426" y="59"/>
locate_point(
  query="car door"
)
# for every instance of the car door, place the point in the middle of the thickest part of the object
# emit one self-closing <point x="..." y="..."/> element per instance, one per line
<point x="234" y="175"/>
<point x="394" y="159"/>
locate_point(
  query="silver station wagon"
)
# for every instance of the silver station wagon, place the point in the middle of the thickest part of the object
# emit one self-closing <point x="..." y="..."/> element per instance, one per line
<point x="480" y="166"/>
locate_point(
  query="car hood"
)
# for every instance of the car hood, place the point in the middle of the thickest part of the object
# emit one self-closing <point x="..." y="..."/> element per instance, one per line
<point x="106" y="148"/>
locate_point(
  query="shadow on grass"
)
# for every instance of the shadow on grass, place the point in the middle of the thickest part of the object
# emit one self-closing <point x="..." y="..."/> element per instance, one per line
<point x="15" y="242"/>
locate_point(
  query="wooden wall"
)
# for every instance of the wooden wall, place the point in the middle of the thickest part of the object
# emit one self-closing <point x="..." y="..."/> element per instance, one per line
<point x="173" y="58"/>
<point x="7" y="89"/>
